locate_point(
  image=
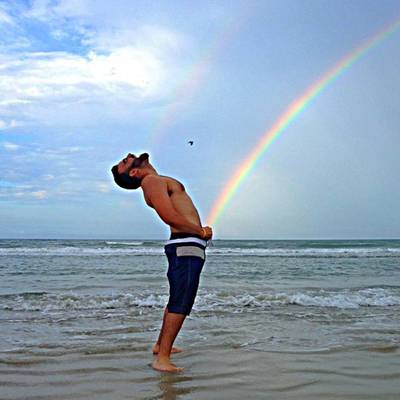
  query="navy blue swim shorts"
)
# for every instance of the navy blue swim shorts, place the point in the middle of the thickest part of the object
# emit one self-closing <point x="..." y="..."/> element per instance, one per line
<point x="186" y="257"/>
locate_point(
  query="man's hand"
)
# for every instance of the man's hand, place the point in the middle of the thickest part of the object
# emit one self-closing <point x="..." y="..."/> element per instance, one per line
<point x="207" y="232"/>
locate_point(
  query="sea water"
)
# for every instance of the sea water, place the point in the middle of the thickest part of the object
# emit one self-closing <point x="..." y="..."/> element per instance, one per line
<point x="64" y="302"/>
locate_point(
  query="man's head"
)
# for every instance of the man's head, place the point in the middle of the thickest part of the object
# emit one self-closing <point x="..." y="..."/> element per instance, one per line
<point x="128" y="173"/>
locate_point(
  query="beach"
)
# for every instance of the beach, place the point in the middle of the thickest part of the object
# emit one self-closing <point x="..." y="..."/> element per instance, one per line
<point x="273" y="319"/>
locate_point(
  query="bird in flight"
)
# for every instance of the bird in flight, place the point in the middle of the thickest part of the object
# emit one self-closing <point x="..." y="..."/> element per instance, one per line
<point x="191" y="142"/>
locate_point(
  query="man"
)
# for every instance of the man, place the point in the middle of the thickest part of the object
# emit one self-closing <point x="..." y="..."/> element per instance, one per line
<point x="185" y="249"/>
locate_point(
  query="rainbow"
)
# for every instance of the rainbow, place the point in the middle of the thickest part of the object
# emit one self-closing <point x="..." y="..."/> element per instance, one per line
<point x="290" y="114"/>
<point x="190" y="85"/>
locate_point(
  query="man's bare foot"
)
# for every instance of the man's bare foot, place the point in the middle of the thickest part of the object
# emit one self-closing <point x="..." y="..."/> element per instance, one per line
<point x="165" y="365"/>
<point x="156" y="349"/>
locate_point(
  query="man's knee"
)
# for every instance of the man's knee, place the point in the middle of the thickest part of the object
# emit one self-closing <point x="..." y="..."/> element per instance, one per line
<point x="178" y="310"/>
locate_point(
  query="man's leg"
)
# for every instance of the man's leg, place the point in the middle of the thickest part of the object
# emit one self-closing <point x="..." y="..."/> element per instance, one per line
<point x="171" y="327"/>
<point x="156" y="347"/>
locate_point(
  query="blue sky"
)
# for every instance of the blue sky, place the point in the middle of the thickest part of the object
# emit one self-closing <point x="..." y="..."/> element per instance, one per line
<point x="84" y="82"/>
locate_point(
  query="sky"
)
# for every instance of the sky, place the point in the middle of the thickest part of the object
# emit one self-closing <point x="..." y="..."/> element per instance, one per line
<point x="84" y="82"/>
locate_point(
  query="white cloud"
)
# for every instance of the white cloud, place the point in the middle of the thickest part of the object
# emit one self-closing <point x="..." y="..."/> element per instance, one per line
<point x="27" y="192"/>
<point x="161" y="41"/>
<point x="40" y="9"/>
<point x="33" y="77"/>
<point x="73" y="149"/>
<point x="62" y="154"/>
<point x="101" y="25"/>
<point x="50" y="10"/>
<point x="10" y="146"/>
<point x="104" y="187"/>
<point x="8" y="124"/>
<point x="12" y="36"/>
<point x="129" y="74"/>
<point x="39" y="194"/>
<point x="5" y="18"/>
<point x="107" y="63"/>
<point x="13" y="102"/>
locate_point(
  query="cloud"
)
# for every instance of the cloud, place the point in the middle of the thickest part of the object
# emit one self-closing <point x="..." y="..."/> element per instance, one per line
<point x="161" y="41"/>
<point x="8" y="124"/>
<point x="38" y="168"/>
<point x="46" y="10"/>
<point x="32" y="77"/>
<point x="39" y="194"/>
<point x="104" y="187"/>
<point x="10" y="146"/>
<point x="10" y="190"/>
<point x="83" y="58"/>
<point x="5" y="18"/>
<point x="101" y="26"/>
<point x="12" y="35"/>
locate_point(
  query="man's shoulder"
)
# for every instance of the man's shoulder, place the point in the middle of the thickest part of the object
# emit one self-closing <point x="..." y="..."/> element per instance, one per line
<point x="153" y="181"/>
<point x="154" y="187"/>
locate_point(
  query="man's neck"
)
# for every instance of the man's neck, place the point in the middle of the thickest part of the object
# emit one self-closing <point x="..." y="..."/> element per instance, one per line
<point x="149" y="170"/>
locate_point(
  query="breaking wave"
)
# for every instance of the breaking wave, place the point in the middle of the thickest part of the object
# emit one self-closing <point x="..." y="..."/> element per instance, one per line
<point x="156" y="248"/>
<point x="212" y="301"/>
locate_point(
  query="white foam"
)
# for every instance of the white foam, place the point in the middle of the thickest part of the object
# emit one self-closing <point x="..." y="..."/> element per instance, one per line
<point x="307" y="252"/>
<point x="126" y="243"/>
<point x="81" y="251"/>
<point x="345" y="300"/>
<point x="212" y="301"/>
<point x="48" y="303"/>
<point x="143" y="248"/>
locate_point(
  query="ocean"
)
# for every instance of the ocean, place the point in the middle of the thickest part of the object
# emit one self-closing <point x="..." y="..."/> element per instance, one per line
<point x="273" y="319"/>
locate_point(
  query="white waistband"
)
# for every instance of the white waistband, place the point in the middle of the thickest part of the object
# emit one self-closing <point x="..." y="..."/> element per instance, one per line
<point x="187" y="240"/>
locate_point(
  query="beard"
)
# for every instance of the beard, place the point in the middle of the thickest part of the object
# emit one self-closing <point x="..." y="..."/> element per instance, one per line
<point x="139" y="161"/>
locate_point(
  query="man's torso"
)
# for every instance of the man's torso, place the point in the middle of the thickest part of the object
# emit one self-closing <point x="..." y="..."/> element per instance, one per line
<point x="180" y="200"/>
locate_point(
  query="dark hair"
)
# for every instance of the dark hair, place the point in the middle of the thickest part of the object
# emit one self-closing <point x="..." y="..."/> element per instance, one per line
<point x="124" y="180"/>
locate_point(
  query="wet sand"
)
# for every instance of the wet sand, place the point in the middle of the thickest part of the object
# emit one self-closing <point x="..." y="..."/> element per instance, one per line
<point x="211" y="372"/>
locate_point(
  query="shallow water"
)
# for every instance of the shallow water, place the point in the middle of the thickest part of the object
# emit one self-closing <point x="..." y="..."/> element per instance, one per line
<point x="273" y="319"/>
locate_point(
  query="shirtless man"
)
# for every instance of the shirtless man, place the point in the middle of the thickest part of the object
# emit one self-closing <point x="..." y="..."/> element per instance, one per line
<point x="185" y="249"/>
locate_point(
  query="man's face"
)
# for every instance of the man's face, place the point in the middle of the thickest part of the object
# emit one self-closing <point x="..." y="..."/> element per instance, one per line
<point x="131" y="161"/>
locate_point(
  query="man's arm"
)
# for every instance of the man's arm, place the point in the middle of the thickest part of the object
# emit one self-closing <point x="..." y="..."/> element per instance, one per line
<point x="156" y="193"/>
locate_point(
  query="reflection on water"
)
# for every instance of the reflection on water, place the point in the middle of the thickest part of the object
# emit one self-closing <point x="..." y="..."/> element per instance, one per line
<point x="170" y="385"/>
